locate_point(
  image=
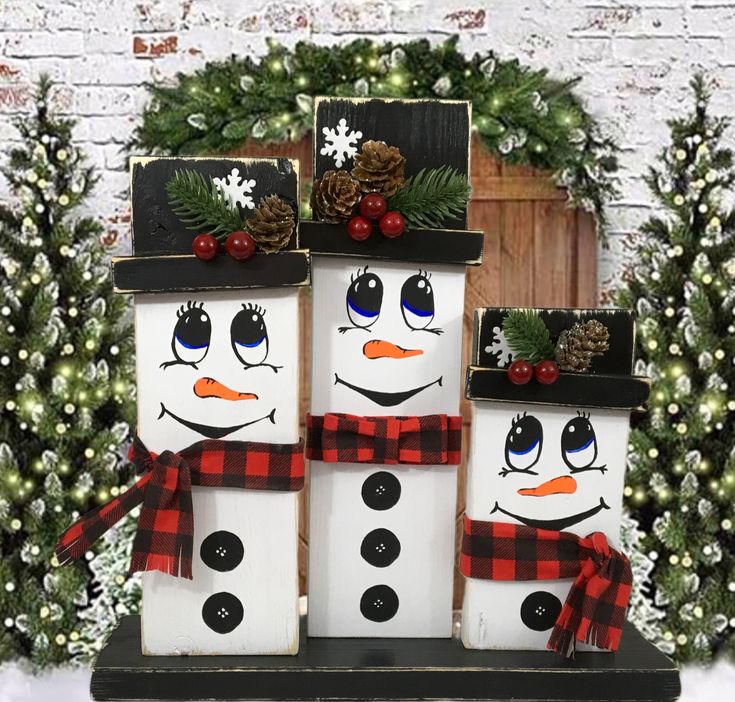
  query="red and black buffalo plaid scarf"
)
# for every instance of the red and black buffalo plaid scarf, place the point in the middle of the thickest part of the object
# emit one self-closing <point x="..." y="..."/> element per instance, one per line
<point x="345" y="438"/>
<point x="594" y="611"/>
<point x="166" y="523"/>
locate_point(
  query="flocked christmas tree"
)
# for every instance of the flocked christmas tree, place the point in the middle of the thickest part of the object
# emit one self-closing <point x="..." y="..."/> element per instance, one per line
<point x="681" y="478"/>
<point x="66" y="395"/>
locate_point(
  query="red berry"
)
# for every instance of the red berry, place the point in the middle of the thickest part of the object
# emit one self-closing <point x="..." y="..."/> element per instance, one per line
<point x="240" y="245"/>
<point x="359" y="228"/>
<point x="205" y="246"/>
<point x="520" y="372"/>
<point x="392" y="224"/>
<point x="373" y="206"/>
<point x="546" y="372"/>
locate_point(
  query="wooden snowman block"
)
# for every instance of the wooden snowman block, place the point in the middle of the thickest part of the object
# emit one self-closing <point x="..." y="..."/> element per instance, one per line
<point x="217" y="352"/>
<point x="387" y="341"/>
<point x="549" y="456"/>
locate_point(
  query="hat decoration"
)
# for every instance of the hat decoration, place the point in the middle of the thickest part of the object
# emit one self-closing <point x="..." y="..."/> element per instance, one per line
<point x="535" y="355"/>
<point x="376" y="191"/>
<point x="203" y="202"/>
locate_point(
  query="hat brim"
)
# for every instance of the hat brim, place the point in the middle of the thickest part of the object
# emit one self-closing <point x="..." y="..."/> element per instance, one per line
<point x="186" y="272"/>
<point x="628" y="392"/>
<point x="458" y="246"/>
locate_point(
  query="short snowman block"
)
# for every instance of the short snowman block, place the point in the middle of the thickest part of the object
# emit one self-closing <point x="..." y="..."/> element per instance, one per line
<point x="217" y="353"/>
<point x="547" y="456"/>
<point x="387" y="342"/>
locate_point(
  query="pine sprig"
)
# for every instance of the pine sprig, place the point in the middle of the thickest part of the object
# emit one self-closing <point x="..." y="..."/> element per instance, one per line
<point x="527" y="336"/>
<point x="200" y="206"/>
<point x="431" y="197"/>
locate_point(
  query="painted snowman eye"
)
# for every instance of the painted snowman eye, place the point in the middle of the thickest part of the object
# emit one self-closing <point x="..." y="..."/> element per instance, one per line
<point x="364" y="299"/>
<point x="579" y="444"/>
<point x="249" y="336"/>
<point x="417" y="301"/>
<point x="523" y="444"/>
<point x="192" y="334"/>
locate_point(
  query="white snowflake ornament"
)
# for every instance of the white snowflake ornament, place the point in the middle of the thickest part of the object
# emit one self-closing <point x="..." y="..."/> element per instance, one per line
<point x="340" y="142"/>
<point x="235" y="190"/>
<point x="499" y="348"/>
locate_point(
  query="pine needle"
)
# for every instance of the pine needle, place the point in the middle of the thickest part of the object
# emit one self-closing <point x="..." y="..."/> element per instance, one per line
<point x="528" y="336"/>
<point x="431" y="197"/>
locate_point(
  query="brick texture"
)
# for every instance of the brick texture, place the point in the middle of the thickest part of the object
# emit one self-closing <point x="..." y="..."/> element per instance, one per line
<point x="635" y="59"/>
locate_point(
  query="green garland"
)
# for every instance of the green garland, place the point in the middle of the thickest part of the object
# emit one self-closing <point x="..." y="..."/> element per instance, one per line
<point x="521" y="115"/>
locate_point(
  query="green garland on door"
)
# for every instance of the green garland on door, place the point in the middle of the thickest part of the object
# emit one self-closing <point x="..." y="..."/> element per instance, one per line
<point x="521" y="115"/>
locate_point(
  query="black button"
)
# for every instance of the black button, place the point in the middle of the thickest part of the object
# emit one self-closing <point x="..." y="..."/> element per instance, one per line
<point x="379" y="603"/>
<point x="380" y="548"/>
<point x="222" y="551"/>
<point x="540" y="610"/>
<point x="222" y="612"/>
<point x="381" y="490"/>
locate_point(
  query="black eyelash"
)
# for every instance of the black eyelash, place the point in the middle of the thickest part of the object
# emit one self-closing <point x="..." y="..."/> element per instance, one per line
<point x="526" y="471"/>
<point x="190" y="305"/>
<point x="342" y="330"/>
<point x="274" y="368"/>
<point x="358" y="274"/>
<point x="584" y="415"/>
<point x="602" y="469"/>
<point x="517" y="419"/>
<point x="256" y="308"/>
<point x="424" y="274"/>
<point x="177" y="362"/>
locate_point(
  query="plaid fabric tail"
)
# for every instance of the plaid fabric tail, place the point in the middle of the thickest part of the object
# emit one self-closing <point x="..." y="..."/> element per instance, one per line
<point x="594" y="611"/>
<point x="434" y="439"/>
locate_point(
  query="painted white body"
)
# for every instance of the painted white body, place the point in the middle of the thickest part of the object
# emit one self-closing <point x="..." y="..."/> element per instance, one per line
<point x="491" y="613"/>
<point x="423" y="519"/>
<point x="266" y="579"/>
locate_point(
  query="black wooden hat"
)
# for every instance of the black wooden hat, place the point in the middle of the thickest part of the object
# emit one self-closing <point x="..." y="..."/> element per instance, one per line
<point x="162" y="259"/>
<point x="430" y="134"/>
<point x="607" y="383"/>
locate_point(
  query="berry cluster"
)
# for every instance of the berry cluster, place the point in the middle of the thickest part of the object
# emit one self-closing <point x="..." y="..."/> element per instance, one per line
<point x="374" y="208"/>
<point x="240" y="245"/>
<point x="520" y="372"/>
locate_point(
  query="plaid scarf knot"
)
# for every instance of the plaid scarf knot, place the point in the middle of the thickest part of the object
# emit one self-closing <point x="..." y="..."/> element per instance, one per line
<point x="594" y="611"/>
<point x="345" y="438"/>
<point x="165" y="534"/>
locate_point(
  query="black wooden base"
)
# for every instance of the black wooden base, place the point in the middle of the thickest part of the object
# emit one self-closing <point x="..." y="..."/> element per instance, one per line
<point x="382" y="669"/>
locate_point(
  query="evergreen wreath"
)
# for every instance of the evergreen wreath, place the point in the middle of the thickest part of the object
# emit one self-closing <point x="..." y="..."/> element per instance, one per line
<point x="521" y="115"/>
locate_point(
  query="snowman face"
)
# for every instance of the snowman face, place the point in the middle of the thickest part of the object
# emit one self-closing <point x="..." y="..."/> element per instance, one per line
<point x="548" y="467"/>
<point x="216" y="365"/>
<point x="387" y="337"/>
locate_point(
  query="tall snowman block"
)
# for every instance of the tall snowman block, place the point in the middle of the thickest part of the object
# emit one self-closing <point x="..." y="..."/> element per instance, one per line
<point x="217" y="351"/>
<point x="384" y="435"/>
<point x="545" y="478"/>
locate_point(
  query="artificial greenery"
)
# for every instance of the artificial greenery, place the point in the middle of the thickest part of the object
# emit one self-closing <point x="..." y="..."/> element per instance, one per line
<point x="197" y="201"/>
<point x="519" y="114"/>
<point x="431" y="197"/>
<point x="527" y="336"/>
<point x="680" y="484"/>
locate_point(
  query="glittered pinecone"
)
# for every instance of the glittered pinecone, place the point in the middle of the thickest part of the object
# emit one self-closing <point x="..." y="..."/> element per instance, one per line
<point x="576" y="346"/>
<point x="272" y="224"/>
<point x="379" y="168"/>
<point x="334" y="196"/>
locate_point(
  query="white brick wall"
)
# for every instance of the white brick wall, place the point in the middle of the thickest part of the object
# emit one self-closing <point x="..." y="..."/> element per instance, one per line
<point x="635" y="59"/>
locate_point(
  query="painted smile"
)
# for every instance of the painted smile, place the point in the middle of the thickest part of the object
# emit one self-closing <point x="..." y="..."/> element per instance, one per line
<point x="214" y="432"/>
<point x="554" y="524"/>
<point x="385" y="399"/>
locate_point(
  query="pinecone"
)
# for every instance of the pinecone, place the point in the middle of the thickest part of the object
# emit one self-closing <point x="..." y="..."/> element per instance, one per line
<point x="379" y="168"/>
<point x="334" y="196"/>
<point x="272" y="224"/>
<point x="576" y="346"/>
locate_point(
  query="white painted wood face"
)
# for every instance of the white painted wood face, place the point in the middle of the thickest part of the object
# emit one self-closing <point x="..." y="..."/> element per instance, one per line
<point x="381" y="538"/>
<point x="549" y="443"/>
<point x="243" y="598"/>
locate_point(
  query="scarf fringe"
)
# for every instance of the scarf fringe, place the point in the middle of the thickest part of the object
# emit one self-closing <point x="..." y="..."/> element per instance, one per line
<point x="169" y="565"/>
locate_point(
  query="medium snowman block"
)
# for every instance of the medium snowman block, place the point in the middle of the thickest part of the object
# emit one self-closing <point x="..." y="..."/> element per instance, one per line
<point x="387" y="342"/>
<point x="217" y="354"/>
<point x="548" y="456"/>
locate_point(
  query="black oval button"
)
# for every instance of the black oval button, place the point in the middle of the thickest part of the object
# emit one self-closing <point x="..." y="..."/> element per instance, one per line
<point x="540" y="610"/>
<point x="222" y="551"/>
<point x="380" y="548"/>
<point x="379" y="603"/>
<point x="222" y="612"/>
<point x="381" y="490"/>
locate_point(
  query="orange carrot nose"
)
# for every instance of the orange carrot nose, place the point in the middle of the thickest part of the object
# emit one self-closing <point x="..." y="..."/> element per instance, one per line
<point x="209" y="387"/>
<point x="563" y="485"/>
<point x="384" y="349"/>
